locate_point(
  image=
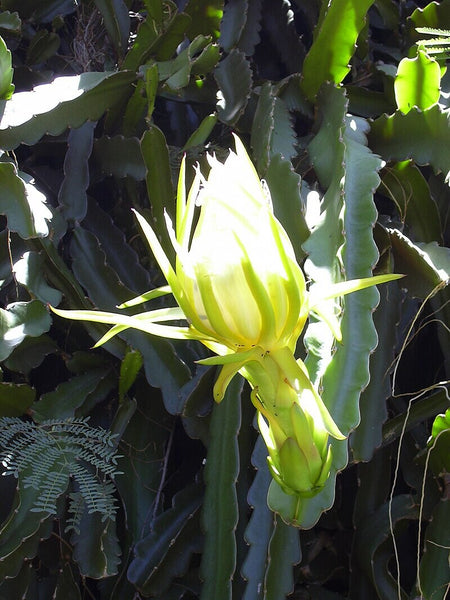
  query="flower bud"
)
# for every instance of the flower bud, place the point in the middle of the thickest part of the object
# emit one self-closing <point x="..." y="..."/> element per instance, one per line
<point x="293" y="421"/>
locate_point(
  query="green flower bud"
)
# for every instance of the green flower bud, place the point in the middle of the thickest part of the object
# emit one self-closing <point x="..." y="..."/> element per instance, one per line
<point x="293" y="421"/>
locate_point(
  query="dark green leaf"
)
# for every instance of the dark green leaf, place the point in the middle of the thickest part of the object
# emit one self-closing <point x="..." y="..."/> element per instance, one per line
<point x="138" y="107"/>
<point x="15" y="399"/>
<point x="173" y="35"/>
<point x="121" y="256"/>
<point x="240" y="26"/>
<point x="43" y="46"/>
<point x="159" y="183"/>
<point x="66" y="587"/>
<point x="206" y="16"/>
<point x="434" y="567"/>
<point x="40" y="10"/>
<point x="146" y="38"/>
<point x="423" y="409"/>
<point x="117" y="22"/>
<point x="21" y="532"/>
<point x="272" y="131"/>
<point x="10" y="21"/>
<point x="165" y="553"/>
<point x="426" y="265"/>
<point x="260" y="526"/>
<point x="17" y="587"/>
<point x="96" y="548"/>
<point x="423" y="136"/>
<point x="262" y="127"/>
<point x="72" y="193"/>
<point x="434" y="14"/>
<point x="26" y="548"/>
<point x="234" y="79"/>
<point x="279" y="26"/>
<point x="67" y="399"/>
<point x="368" y="103"/>
<point x="284" y="185"/>
<point x="405" y="185"/>
<point x="201" y="134"/>
<point x="151" y="83"/>
<point x="144" y="447"/>
<point x="30" y="353"/>
<point x="199" y="58"/>
<point x="284" y="552"/>
<point x="368" y="435"/>
<point x="220" y="511"/>
<point x="283" y="140"/>
<point x="162" y="367"/>
<point x="158" y="36"/>
<point x="195" y="402"/>
<point x="373" y="532"/>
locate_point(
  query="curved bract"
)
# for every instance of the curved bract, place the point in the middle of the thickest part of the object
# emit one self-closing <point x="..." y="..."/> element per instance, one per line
<point x="238" y="285"/>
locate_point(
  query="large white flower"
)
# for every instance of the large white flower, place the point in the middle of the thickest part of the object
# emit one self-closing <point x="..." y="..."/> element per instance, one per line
<point x="238" y="275"/>
<point x="242" y="294"/>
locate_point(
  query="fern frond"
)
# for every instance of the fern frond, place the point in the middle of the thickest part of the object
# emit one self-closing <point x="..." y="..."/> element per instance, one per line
<point x="46" y="457"/>
<point x="76" y="508"/>
<point x="438" y="46"/>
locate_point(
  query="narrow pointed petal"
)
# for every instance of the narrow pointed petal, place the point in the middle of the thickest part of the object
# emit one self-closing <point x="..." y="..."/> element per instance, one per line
<point x="146" y="297"/>
<point x="318" y="294"/>
<point x="97" y="316"/>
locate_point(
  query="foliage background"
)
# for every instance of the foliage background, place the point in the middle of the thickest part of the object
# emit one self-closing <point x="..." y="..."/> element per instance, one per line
<point x="182" y="511"/>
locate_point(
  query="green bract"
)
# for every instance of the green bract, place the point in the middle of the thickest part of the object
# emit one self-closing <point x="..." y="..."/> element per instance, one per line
<point x="243" y="295"/>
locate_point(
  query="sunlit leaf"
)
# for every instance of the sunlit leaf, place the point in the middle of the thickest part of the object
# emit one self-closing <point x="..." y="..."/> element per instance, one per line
<point x="129" y="368"/>
<point x="23" y="204"/>
<point x="66" y="102"/>
<point x="417" y="82"/>
<point x="328" y="58"/>
<point x="29" y="271"/>
<point x="6" y="72"/>
<point x="19" y="320"/>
